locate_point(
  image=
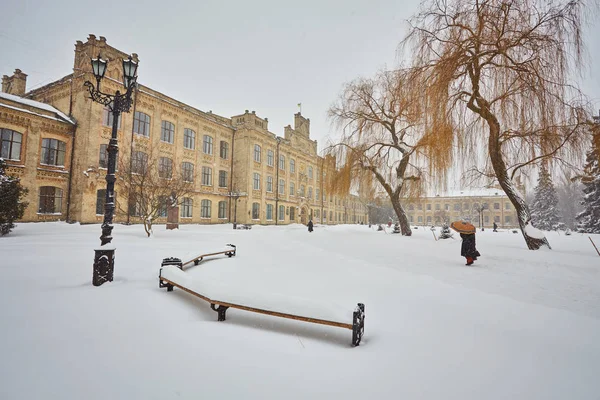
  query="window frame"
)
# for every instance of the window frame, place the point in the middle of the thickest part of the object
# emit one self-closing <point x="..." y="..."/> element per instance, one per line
<point x="44" y="200"/>
<point x="141" y="124"/>
<point x="11" y="143"/>
<point x="167" y="132"/>
<point x="187" y="207"/>
<point x="165" y="168"/>
<point x="222" y="178"/>
<point x="187" y="171"/>
<point x="206" y="176"/>
<point x="205" y="208"/>
<point x="189" y="139"/>
<point x="53" y="152"/>
<point x="224" y="149"/>
<point x="207" y="145"/>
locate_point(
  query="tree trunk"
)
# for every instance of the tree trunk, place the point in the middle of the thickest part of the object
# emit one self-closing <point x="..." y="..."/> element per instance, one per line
<point x="495" y="151"/>
<point x="402" y="219"/>
<point x="147" y="226"/>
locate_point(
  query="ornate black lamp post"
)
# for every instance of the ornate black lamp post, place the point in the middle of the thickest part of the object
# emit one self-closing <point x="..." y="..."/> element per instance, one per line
<point x="235" y="195"/>
<point x="104" y="258"/>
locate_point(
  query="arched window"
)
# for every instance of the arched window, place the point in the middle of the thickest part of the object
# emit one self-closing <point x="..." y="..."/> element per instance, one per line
<point x="187" y="171"/>
<point x="141" y="123"/>
<point x="205" y="207"/>
<point x="10" y="144"/>
<point x="167" y="132"/>
<point x="222" y="209"/>
<point x="189" y="139"/>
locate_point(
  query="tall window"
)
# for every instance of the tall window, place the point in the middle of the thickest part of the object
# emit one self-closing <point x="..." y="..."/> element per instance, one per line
<point x="292" y="213"/>
<point x="207" y="144"/>
<point x="292" y="189"/>
<point x="186" y="207"/>
<point x="281" y="187"/>
<point x="256" y="185"/>
<point x="301" y="191"/>
<point x="222" y="209"/>
<point x="269" y="183"/>
<point x="270" y="158"/>
<point x="269" y="212"/>
<point x="282" y="162"/>
<point x="189" y="139"/>
<point x="507" y="206"/>
<point x="162" y="206"/>
<point x="256" y="153"/>
<point x="141" y="123"/>
<point x="135" y="207"/>
<point x="281" y="213"/>
<point x="496" y="206"/>
<point x="224" y="151"/>
<point x="103" y="158"/>
<point x="310" y="172"/>
<point x="100" y="201"/>
<point x="108" y="118"/>
<point x="165" y="168"/>
<point x="10" y="144"/>
<point x="292" y="165"/>
<point x="207" y="176"/>
<point x="167" y="132"/>
<point x="53" y="152"/>
<point x="205" y="206"/>
<point x="310" y="192"/>
<point x="50" y="200"/>
<point x="255" y="210"/>
<point x="222" y="178"/>
<point x="140" y="162"/>
<point x="187" y="171"/>
<point x="317" y="195"/>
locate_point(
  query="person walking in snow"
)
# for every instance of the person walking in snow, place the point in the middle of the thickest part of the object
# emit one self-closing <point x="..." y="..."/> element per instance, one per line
<point x="468" y="249"/>
<point x="495" y="227"/>
<point x="310" y="226"/>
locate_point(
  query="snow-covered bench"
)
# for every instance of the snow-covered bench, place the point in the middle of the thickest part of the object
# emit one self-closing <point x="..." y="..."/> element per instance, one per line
<point x="222" y="298"/>
<point x="196" y="260"/>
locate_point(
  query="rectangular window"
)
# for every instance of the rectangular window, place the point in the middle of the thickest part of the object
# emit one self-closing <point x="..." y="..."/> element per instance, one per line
<point x="292" y="213"/>
<point x="10" y="144"/>
<point x="301" y="194"/>
<point x="507" y="206"/>
<point x="141" y="124"/>
<point x="269" y="212"/>
<point x="292" y="166"/>
<point x="281" y="187"/>
<point x="437" y="207"/>
<point x="507" y="219"/>
<point x="496" y="206"/>
<point x="255" y="210"/>
<point x="256" y="185"/>
<point x="53" y="152"/>
<point x="317" y="195"/>
<point x="486" y="218"/>
<point x="207" y="176"/>
<point x="165" y="168"/>
<point x="167" y="132"/>
<point x="162" y="206"/>
<point x="222" y="178"/>
<point x="281" y="213"/>
<point x="186" y="207"/>
<point x="100" y="201"/>
<point x="50" y="200"/>
<point x="222" y="209"/>
<point x="497" y="218"/>
<point x="270" y="158"/>
<point x="207" y="145"/>
<point x="428" y="207"/>
<point x="257" y="152"/>
<point x="310" y="193"/>
<point x="282" y="162"/>
<point x="103" y="158"/>
<point x="187" y="171"/>
<point x="189" y="139"/>
<point x="224" y="151"/>
<point x="205" y="206"/>
<point x="269" y="183"/>
<point x="456" y="206"/>
<point x="310" y="172"/>
<point x="292" y="189"/>
<point x="108" y="118"/>
<point x="140" y="162"/>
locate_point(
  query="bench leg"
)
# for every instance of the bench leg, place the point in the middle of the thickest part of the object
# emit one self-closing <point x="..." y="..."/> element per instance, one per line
<point x="358" y="324"/>
<point x="196" y="262"/>
<point x="220" y="311"/>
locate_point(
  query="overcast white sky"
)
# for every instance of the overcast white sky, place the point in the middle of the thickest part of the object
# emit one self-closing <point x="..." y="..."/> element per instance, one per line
<point x="227" y="56"/>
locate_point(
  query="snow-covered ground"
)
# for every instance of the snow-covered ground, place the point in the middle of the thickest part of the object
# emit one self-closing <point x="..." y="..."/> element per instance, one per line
<point x="518" y="324"/>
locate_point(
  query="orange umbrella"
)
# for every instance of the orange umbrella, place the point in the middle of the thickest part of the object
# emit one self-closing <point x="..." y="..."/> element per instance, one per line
<point x="463" y="227"/>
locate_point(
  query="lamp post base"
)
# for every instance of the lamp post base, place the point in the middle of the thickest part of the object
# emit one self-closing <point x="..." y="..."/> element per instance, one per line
<point x="104" y="265"/>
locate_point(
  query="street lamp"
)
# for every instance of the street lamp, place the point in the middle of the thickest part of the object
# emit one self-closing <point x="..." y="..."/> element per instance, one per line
<point x="235" y="195"/>
<point x="104" y="257"/>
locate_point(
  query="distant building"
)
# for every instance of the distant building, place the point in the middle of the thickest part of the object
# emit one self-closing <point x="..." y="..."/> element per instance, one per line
<point x="55" y="138"/>
<point x="482" y="207"/>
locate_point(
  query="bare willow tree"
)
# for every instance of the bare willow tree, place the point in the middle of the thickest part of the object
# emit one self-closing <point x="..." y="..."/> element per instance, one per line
<point x="500" y="70"/>
<point x="153" y="185"/>
<point x="385" y="135"/>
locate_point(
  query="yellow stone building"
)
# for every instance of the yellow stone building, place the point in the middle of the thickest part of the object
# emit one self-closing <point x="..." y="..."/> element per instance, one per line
<point x="55" y="138"/>
<point x="482" y="207"/>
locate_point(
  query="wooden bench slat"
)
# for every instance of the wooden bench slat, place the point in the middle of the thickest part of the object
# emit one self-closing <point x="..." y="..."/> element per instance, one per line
<point x="261" y="311"/>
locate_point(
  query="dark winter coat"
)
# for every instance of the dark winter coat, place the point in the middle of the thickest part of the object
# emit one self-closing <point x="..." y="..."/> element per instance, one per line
<point x="310" y="226"/>
<point x="468" y="246"/>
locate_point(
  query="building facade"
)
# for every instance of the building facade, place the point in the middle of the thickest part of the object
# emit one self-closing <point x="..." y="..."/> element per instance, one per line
<point x="482" y="207"/>
<point x="279" y="180"/>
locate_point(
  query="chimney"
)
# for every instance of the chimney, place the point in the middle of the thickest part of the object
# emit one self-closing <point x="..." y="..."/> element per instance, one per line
<point x="14" y="84"/>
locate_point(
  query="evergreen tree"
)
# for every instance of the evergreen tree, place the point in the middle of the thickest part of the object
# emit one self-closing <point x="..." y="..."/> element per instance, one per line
<point x="11" y="206"/>
<point x="446" y="233"/>
<point x="544" y="208"/>
<point x="589" y="218"/>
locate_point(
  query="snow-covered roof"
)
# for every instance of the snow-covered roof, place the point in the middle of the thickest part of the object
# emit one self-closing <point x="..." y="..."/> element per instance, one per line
<point x="58" y="115"/>
<point x="481" y="192"/>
